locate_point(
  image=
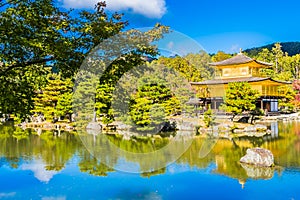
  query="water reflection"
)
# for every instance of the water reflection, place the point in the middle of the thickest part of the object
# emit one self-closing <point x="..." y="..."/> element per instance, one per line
<point x="46" y="153"/>
<point x="40" y="170"/>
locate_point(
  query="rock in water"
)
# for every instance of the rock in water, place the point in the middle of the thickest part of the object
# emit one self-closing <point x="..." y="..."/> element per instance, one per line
<point x="259" y="157"/>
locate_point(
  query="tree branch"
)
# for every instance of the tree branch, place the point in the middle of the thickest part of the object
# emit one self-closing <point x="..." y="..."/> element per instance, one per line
<point x="24" y="64"/>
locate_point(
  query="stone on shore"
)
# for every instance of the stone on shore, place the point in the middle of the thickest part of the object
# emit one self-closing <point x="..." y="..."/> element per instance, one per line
<point x="256" y="128"/>
<point x="94" y="126"/>
<point x="258" y="157"/>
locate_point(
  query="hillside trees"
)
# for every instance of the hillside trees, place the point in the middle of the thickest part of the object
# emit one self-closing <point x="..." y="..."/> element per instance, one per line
<point x="284" y="67"/>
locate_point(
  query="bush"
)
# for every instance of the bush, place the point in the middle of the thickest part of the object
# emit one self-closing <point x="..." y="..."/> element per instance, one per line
<point x="209" y="118"/>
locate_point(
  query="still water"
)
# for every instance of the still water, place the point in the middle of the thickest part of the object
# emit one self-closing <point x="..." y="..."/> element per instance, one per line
<point x="46" y="165"/>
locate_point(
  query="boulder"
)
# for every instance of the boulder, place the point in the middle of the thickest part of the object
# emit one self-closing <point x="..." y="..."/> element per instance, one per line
<point x="94" y="126"/>
<point x="258" y="157"/>
<point x="256" y="128"/>
<point x="250" y="129"/>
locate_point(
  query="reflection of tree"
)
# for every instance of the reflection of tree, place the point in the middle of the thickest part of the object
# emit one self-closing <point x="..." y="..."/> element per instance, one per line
<point x="153" y="173"/>
<point x="5" y="131"/>
<point x="13" y="162"/>
<point x="139" y="144"/>
<point x="56" y="151"/>
<point x="255" y="141"/>
<point x="9" y="136"/>
<point x="191" y="156"/>
<point x="228" y="162"/>
<point x="16" y="143"/>
<point x="92" y="166"/>
<point x="286" y="153"/>
<point x="144" y="154"/>
<point x="19" y="134"/>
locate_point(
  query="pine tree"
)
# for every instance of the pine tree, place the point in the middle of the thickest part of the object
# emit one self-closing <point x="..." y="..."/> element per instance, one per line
<point x="240" y="97"/>
<point x="56" y="90"/>
<point x="152" y="104"/>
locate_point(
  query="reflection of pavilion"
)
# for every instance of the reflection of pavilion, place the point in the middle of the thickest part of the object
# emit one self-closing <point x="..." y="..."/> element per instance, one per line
<point x="240" y="68"/>
<point x="242" y="182"/>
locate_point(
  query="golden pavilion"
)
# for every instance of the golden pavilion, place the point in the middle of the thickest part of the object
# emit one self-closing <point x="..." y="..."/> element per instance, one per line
<point x="239" y="68"/>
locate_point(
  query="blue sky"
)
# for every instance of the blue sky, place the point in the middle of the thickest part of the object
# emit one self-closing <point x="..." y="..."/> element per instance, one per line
<point x="215" y="24"/>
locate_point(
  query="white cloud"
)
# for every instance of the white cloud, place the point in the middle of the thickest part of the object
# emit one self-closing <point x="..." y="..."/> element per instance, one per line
<point x="148" y="8"/>
<point x="38" y="168"/>
<point x="7" y="195"/>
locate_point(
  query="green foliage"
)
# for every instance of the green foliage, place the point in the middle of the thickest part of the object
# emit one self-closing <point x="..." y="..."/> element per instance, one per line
<point x="35" y="35"/>
<point x="55" y="99"/>
<point x="220" y="56"/>
<point x="285" y="67"/>
<point x="18" y="88"/>
<point x="240" y="97"/>
<point x="194" y="67"/>
<point x="91" y="165"/>
<point x="152" y="103"/>
<point x="64" y="105"/>
<point x="103" y="102"/>
<point x="287" y="102"/>
<point x="209" y="118"/>
<point x="294" y="66"/>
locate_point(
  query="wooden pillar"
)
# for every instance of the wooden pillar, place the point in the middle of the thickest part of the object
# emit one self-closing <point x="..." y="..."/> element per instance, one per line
<point x="261" y="104"/>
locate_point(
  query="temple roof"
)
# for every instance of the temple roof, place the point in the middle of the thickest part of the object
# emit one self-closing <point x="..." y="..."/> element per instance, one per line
<point x="240" y="58"/>
<point x="226" y="81"/>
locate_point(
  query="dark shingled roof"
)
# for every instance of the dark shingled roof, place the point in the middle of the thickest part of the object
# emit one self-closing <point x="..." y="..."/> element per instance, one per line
<point x="240" y="58"/>
<point x="225" y="81"/>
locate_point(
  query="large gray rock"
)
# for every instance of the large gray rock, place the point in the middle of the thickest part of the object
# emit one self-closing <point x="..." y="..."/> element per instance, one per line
<point x="259" y="157"/>
<point x="94" y="126"/>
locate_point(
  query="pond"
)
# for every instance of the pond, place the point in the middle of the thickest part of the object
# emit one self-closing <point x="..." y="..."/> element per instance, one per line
<point x="49" y="165"/>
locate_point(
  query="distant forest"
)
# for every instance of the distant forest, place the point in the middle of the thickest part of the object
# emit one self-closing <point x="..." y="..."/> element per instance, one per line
<point x="292" y="48"/>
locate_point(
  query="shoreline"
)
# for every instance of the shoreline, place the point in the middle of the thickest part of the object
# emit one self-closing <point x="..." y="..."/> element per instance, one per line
<point x="223" y="126"/>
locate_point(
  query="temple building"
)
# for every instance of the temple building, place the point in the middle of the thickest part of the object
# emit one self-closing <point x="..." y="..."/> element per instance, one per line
<point x="239" y="68"/>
